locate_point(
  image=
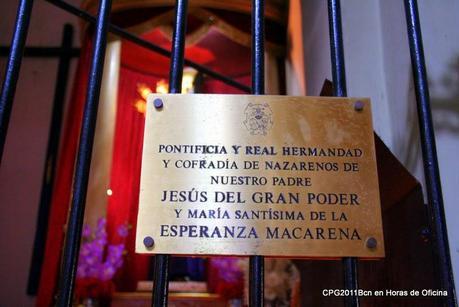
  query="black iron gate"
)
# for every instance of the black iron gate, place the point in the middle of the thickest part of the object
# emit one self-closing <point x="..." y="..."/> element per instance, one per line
<point x="103" y="26"/>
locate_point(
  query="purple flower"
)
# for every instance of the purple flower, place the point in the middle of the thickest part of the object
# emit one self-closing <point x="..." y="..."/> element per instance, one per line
<point x="228" y="268"/>
<point x="86" y="231"/>
<point x="123" y="230"/>
<point x="91" y="262"/>
<point x="106" y="272"/>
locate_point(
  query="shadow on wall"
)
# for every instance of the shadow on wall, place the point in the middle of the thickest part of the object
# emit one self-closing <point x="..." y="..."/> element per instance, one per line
<point x="444" y="98"/>
<point x="413" y="152"/>
<point x="445" y="108"/>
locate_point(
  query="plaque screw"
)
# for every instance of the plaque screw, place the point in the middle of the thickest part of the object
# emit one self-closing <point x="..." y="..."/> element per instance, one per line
<point x="425" y="235"/>
<point x="371" y="243"/>
<point x="358" y="106"/>
<point x="158" y="102"/>
<point x="148" y="242"/>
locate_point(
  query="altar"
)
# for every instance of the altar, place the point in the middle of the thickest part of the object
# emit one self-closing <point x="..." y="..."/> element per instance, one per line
<point x="143" y="299"/>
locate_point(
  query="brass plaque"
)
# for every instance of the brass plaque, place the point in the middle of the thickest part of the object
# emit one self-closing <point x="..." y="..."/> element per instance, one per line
<point x="259" y="175"/>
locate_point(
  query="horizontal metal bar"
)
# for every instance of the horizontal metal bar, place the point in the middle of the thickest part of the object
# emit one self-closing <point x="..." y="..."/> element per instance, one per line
<point x="44" y="52"/>
<point x="429" y="153"/>
<point x="83" y="164"/>
<point x="150" y="46"/>
<point x="12" y="69"/>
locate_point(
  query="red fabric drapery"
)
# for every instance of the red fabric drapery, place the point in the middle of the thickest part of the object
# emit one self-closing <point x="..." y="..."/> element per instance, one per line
<point x="141" y="67"/>
<point x="125" y="175"/>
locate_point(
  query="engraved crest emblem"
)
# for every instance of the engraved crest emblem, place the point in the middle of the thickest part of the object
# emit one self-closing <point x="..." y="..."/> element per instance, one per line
<point x="258" y="118"/>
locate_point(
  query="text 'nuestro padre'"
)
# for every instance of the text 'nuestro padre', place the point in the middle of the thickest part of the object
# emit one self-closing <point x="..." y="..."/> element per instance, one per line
<point x="259" y="175"/>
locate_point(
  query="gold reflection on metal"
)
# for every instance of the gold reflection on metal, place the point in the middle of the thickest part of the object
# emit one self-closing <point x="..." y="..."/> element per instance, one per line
<point x="259" y="175"/>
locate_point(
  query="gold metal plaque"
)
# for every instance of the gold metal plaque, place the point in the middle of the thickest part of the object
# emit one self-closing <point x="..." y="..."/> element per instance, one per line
<point x="259" y="175"/>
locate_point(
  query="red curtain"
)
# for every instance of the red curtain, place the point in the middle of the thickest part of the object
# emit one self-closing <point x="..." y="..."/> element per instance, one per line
<point x="125" y="175"/>
<point x="140" y="66"/>
<point x="63" y="182"/>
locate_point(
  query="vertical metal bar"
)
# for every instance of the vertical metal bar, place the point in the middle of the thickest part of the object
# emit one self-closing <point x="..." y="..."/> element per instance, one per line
<point x="429" y="154"/>
<point x="80" y="185"/>
<point x="336" y="48"/>
<point x="178" y="47"/>
<point x="161" y="274"/>
<point x="258" y="48"/>
<point x="339" y="89"/>
<point x="256" y="269"/>
<point x="13" y="67"/>
<point x="51" y="157"/>
<point x="161" y="281"/>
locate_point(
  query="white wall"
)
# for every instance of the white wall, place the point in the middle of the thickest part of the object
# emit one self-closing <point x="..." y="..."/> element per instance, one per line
<point x="440" y="28"/>
<point x="378" y="66"/>
<point x="363" y="55"/>
<point x="23" y="159"/>
<point x="316" y="45"/>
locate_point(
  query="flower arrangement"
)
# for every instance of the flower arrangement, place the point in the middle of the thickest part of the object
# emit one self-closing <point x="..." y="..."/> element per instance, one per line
<point x="282" y="283"/>
<point x="225" y="277"/>
<point x="98" y="262"/>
